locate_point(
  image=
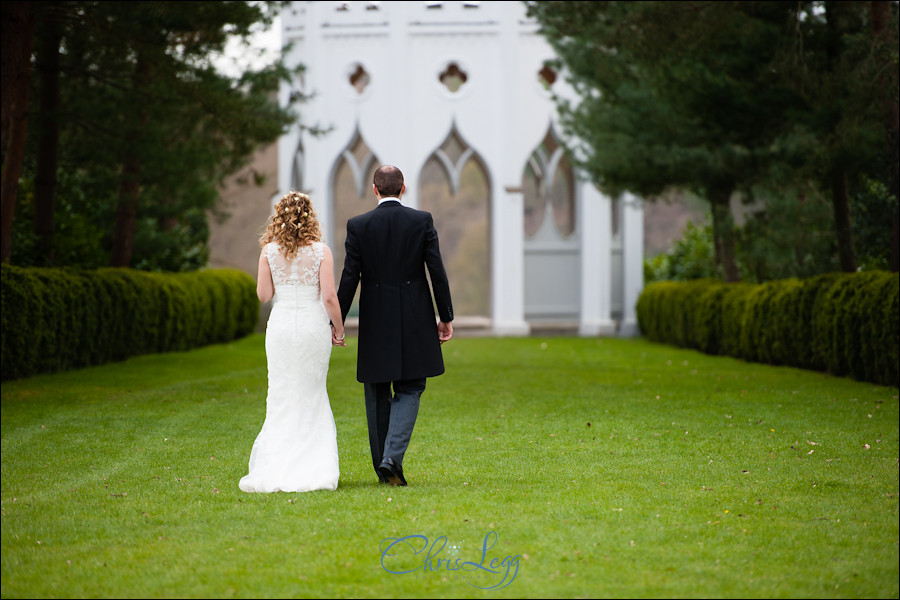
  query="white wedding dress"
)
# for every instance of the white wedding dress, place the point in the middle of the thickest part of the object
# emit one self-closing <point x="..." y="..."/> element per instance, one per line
<point x="296" y="450"/>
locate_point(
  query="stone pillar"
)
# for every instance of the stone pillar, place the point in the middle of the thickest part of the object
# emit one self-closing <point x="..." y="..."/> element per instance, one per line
<point x="633" y="255"/>
<point x="508" y="264"/>
<point x="596" y="274"/>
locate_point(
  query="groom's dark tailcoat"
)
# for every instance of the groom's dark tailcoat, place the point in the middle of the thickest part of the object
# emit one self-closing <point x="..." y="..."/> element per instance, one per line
<point x="387" y="252"/>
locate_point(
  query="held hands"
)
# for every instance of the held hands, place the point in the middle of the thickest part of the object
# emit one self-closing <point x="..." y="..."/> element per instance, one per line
<point x="337" y="339"/>
<point x="445" y="331"/>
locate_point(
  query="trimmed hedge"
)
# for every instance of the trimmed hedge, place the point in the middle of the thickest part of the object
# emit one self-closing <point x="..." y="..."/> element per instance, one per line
<point x="59" y="319"/>
<point x="845" y="324"/>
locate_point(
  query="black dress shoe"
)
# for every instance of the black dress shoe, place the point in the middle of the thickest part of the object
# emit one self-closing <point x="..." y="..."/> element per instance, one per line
<point x="392" y="472"/>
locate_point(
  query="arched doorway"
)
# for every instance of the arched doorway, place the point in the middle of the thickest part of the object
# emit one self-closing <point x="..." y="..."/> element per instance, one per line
<point x="454" y="187"/>
<point x="552" y="246"/>
<point x="352" y="195"/>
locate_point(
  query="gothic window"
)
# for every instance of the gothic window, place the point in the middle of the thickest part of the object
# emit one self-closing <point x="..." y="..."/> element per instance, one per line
<point x="454" y="188"/>
<point x="535" y="200"/>
<point x="297" y="168"/>
<point x="562" y="197"/>
<point x="453" y="77"/>
<point x="547" y="76"/>
<point x="352" y="187"/>
<point x="359" y="78"/>
<point x="548" y="186"/>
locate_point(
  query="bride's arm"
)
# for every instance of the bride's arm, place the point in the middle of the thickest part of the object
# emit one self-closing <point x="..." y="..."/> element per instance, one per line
<point x="329" y="296"/>
<point x="265" y="287"/>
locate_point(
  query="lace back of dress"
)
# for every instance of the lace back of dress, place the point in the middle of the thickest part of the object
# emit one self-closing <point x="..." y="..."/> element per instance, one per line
<point x="302" y="270"/>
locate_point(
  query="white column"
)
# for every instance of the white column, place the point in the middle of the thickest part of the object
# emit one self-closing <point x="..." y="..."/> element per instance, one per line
<point x="287" y="143"/>
<point x="633" y="258"/>
<point x="508" y="263"/>
<point x="596" y="274"/>
<point x="507" y="213"/>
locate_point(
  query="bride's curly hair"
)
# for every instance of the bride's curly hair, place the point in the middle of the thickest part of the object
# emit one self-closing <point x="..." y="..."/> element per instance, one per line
<point x="293" y="225"/>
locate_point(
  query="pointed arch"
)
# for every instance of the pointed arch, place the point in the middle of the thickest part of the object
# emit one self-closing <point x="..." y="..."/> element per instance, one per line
<point x="453" y="155"/>
<point x="351" y="189"/>
<point x="454" y="186"/>
<point x="298" y="165"/>
<point x="552" y="248"/>
<point x="359" y="159"/>
<point x="548" y="184"/>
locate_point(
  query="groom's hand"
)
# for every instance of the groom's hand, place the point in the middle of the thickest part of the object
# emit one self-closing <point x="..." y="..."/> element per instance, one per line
<point x="445" y="331"/>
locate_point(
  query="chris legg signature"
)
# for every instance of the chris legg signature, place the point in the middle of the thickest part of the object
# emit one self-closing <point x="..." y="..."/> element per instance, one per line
<point x="430" y="560"/>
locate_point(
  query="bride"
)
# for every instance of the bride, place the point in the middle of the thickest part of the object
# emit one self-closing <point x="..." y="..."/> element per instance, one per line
<point x="296" y="450"/>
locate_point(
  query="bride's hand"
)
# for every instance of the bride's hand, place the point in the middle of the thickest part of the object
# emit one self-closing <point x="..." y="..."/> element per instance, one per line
<point x="337" y="340"/>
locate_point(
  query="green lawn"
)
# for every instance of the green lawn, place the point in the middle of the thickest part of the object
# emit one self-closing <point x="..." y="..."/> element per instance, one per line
<point x="570" y="467"/>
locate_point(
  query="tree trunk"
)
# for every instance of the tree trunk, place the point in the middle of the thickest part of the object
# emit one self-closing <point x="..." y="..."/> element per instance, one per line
<point x="840" y="199"/>
<point x="881" y="12"/>
<point x="129" y="185"/>
<point x="126" y="212"/>
<point x="723" y="232"/>
<point x="18" y="38"/>
<point x="895" y="247"/>
<point x="48" y="136"/>
<point x="837" y="176"/>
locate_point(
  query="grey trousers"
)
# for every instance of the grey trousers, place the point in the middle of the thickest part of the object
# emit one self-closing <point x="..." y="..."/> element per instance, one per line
<point x="391" y="415"/>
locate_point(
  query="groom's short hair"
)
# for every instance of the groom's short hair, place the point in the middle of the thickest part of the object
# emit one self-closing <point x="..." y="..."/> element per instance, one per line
<point x="388" y="181"/>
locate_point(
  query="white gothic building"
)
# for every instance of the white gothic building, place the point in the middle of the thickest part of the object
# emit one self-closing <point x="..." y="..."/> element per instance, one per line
<point x="457" y="95"/>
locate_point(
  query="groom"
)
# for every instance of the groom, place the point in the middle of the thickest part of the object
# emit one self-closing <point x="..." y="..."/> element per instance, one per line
<point x="389" y="248"/>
